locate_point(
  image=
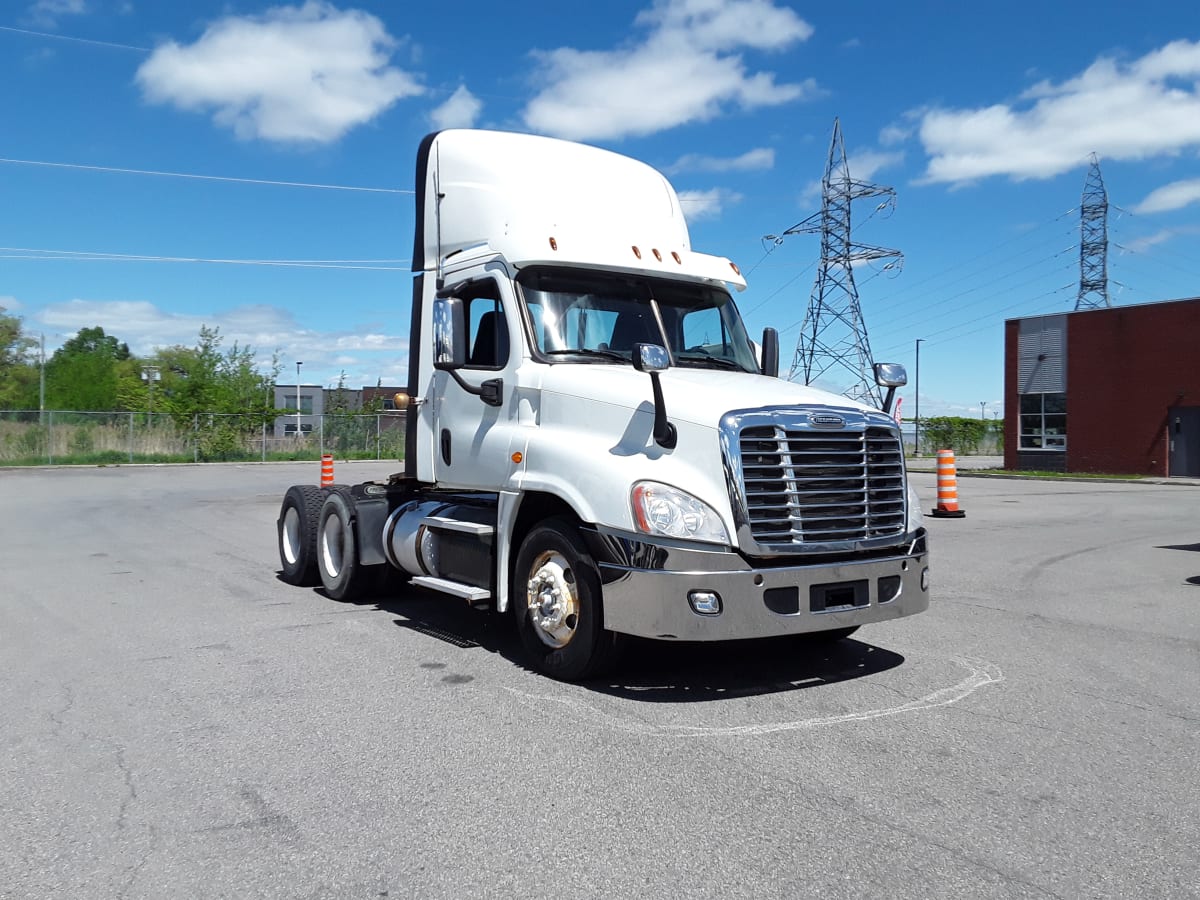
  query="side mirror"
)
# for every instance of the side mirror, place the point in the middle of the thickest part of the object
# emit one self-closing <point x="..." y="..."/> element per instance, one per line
<point x="650" y="358"/>
<point x="770" y="352"/>
<point x="449" y="334"/>
<point x="891" y="375"/>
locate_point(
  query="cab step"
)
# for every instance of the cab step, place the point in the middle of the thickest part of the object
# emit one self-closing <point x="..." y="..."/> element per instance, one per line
<point x="476" y="596"/>
<point x="478" y="529"/>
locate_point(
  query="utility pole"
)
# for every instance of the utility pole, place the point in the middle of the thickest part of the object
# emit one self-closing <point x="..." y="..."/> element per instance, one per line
<point x="42" y="386"/>
<point x="1093" y="242"/>
<point x="298" y="365"/>
<point x="917" y="444"/>
<point x="833" y="337"/>
<point x="151" y="374"/>
<point x="982" y="407"/>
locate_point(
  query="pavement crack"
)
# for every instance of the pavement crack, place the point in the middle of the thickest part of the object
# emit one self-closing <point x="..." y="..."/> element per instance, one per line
<point x="130" y="789"/>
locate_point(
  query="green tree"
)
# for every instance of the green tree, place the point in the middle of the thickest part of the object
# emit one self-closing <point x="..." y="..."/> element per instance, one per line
<point x="18" y="374"/>
<point x="957" y="433"/>
<point x="221" y="395"/>
<point x="82" y="373"/>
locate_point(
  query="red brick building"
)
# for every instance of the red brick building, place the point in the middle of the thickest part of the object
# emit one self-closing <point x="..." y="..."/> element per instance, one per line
<point x="1105" y="390"/>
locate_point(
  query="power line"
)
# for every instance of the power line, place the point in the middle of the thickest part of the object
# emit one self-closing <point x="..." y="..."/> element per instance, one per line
<point x="119" y="171"/>
<point x="33" y="253"/>
<point x="913" y="285"/>
<point x="957" y="298"/>
<point x="77" y="40"/>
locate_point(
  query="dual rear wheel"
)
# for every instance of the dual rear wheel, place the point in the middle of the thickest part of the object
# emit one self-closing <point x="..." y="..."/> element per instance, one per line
<point x="318" y="543"/>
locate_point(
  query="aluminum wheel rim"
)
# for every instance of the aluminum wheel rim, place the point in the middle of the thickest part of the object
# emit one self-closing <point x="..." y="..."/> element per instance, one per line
<point x="553" y="599"/>
<point x="333" y="546"/>
<point x="291" y="536"/>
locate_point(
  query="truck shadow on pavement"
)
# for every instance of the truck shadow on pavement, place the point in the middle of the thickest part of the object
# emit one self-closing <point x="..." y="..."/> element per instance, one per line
<point x="658" y="672"/>
<point x="653" y="671"/>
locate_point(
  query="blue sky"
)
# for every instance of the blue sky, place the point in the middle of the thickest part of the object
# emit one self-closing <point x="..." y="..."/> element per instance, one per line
<point x="982" y="118"/>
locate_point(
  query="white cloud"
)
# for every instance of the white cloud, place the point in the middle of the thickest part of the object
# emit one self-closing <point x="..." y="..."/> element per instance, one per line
<point x="1144" y="243"/>
<point x="1175" y="195"/>
<point x="759" y="159"/>
<point x="895" y="134"/>
<point x="685" y="69"/>
<point x="460" y="111"/>
<point x="295" y="73"/>
<point x="1121" y="111"/>
<point x="146" y="327"/>
<point x="9" y="304"/>
<point x="706" y="204"/>
<point x="46" y="13"/>
<point x="865" y="163"/>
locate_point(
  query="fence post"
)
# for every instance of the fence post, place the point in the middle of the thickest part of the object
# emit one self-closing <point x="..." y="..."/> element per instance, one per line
<point x="264" y="441"/>
<point x="321" y="429"/>
<point x="50" y="439"/>
<point x="195" y="437"/>
<point x="131" y="437"/>
<point x="378" y="420"/>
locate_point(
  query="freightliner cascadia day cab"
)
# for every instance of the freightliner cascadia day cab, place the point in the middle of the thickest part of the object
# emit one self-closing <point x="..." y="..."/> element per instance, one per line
<point x="595" y="446"/>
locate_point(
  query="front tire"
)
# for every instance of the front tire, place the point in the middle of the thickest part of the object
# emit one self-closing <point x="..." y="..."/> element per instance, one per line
<point x="297" y="529"/>
<point x="556" y="597"/>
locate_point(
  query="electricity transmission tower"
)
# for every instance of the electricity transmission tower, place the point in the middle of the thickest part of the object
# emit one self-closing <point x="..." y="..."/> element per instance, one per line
<point x="833" y="339"/>
<point x="1093" y="243"/>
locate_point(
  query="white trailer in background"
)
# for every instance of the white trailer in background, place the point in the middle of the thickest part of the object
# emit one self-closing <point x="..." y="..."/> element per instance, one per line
<point x="594" y="443"/>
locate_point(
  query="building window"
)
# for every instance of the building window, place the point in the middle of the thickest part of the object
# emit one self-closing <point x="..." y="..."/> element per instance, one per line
<point x="290" y="428"/>
<point x="288" y="401"/>
<point x="1044" y="422"/>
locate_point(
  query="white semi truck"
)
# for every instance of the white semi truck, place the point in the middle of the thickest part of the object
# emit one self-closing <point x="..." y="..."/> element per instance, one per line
<point x="594" y="444"/>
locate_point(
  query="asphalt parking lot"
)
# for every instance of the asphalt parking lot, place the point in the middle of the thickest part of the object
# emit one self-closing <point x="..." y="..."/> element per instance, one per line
<point x="176" y="721"/>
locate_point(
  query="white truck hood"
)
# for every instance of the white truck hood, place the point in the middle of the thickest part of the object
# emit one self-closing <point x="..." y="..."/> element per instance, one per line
<point x="698" y="396"/>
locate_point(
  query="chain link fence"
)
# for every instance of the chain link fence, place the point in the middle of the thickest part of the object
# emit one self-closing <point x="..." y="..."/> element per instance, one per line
<point x="31" y="438"/>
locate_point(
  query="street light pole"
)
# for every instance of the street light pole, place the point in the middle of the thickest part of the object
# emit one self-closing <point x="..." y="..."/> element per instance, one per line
<point x="298" y="365"/>
<point x="917" y="447"/>
<point x="42" y="386"/>
<point x="982" y="408"/>
<point x="150" y="374"/>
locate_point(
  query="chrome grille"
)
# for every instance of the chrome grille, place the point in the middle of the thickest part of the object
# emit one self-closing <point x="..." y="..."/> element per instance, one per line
<point x="807" y="486"/>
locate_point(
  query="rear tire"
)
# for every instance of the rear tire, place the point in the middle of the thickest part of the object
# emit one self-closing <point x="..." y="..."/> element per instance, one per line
<point x="297" y="530"/>
<point x="556" y="597"/>
<point x="342" y="575"/>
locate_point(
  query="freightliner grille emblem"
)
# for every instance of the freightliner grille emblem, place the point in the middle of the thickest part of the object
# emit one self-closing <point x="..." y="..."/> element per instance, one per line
<point x="826" y="420"/>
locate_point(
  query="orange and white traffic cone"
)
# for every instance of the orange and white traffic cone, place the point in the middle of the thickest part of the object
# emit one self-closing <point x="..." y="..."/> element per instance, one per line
<point x="947" y="487"/>
<point x="326" y="469"/>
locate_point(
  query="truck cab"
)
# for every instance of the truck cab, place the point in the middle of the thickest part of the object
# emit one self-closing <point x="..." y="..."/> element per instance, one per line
<point x="595" y="445"/>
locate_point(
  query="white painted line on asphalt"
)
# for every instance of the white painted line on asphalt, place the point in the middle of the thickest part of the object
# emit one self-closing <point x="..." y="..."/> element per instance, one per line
<point x="981" y="673"/>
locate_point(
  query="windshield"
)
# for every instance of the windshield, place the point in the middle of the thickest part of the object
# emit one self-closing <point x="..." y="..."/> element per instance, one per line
<point x="597" y="317"/>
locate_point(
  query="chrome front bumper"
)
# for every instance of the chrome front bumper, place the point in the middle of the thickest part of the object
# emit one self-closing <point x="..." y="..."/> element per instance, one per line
<point x="647" y="586"/>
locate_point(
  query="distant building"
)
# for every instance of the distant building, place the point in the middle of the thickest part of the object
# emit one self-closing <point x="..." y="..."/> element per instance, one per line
<point x="311" y="407"/>
<point x="317" y="401"/>
<point x="1105" y="390"/>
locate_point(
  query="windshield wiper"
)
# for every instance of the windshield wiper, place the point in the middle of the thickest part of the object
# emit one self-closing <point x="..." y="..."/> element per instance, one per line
<point x="584" y="351"/>
<point x="713" y="360"/>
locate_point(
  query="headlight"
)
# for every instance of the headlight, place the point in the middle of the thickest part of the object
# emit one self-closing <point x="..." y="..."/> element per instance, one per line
<point x="667" y="511"/>
<point x="914" y="509"/>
